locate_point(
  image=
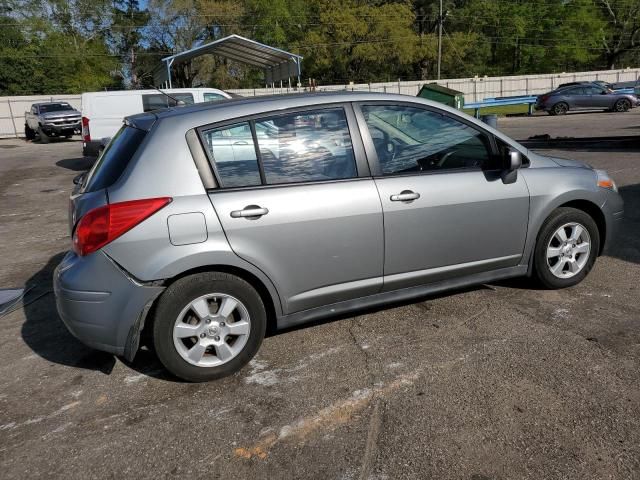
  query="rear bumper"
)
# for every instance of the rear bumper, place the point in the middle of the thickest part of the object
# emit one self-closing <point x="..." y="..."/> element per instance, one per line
<point x="91" y="148"/>
<point x="99" y="304"/>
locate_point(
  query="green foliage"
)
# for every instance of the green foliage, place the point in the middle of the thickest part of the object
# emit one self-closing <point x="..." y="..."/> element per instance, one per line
<point x="60" y="46"/>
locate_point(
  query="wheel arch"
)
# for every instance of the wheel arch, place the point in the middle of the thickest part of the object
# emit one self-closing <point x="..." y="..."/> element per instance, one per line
<point x="272" y="308"/>
<point x="594" y="212"/>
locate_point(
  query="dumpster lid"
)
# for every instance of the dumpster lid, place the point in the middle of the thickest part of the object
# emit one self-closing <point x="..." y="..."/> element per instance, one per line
<point x="434" y="87"/>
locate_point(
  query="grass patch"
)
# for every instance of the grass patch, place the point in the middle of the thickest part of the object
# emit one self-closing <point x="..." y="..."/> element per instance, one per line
<point x="500" y="110"/>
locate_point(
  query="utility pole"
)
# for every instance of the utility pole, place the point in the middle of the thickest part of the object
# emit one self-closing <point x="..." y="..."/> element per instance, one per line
<point x="439" y="39"/>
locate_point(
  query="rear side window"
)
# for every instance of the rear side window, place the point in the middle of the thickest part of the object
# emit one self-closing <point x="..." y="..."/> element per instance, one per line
<point x="209" y="96"/>
<point x="110" y="165"/>
<point x="234" y="154"/>
<point x="299" y="147"/>
<point x="306" y="147"/>
<point x="156" y="101"/>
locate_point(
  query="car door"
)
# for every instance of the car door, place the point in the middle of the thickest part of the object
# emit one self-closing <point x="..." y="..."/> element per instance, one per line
<point x="598" y="97"/>
<point x="301" y="204"/>
<point x="447" y="211"/>
<point x="576" y="98"/>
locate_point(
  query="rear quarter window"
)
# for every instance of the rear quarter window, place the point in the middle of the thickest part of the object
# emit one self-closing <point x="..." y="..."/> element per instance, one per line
<point x="115" y="158"/>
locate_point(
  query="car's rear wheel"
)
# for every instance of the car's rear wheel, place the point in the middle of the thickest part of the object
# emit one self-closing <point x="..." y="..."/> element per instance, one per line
<point x="566" y="249"/>
<point x="560" y="108"/>
<point x="622" y="105"/>
<point x="208" y="326"/>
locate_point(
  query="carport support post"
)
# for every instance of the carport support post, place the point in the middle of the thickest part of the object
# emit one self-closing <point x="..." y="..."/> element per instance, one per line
<point x="169" y="63"/>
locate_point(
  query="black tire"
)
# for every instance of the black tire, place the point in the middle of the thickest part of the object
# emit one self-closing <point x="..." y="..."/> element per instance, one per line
<point x="180" y="294"/>
<point x="28" y="133"/>
<point x="622" y="105"/>
<point x="558" y="218"/>
<point x="44" y="138"/>
<point x="560" y="108"/>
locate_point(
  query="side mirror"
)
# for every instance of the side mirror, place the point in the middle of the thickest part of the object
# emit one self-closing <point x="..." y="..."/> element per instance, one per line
<point x="515" y="160"/>
<point x="512" y="164"/>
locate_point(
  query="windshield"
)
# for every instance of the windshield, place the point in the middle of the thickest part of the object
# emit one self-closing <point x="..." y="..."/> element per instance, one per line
<point x="55" y="107"/>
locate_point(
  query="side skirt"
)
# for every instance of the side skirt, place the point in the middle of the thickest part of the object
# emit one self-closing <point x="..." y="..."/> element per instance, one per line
<point x="339" y="308"/>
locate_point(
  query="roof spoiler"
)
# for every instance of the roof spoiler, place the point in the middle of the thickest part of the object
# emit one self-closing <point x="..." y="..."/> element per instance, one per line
<point x="141" y="121"/>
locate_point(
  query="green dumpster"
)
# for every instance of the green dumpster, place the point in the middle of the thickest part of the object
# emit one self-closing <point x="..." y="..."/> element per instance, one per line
<point x="438" y="93"/>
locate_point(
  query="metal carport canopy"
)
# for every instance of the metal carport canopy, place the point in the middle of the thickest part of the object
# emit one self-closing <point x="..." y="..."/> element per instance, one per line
<point x="277" y="64"/>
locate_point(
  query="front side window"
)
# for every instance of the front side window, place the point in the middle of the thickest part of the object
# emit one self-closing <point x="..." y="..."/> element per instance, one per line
<point x="156" y="101"/>
<point x="594" y="90"/>
<point x="306" y="147"/>
<point x="411" y="139"/>
<point x="234" y="153"/>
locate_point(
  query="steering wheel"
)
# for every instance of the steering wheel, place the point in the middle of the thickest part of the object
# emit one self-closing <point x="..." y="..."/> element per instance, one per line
<point x="385" y="148"/>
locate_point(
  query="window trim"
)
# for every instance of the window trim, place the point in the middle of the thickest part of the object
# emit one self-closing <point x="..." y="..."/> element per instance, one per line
<point x="359" y="152"/>
<point x="372" y="154"/>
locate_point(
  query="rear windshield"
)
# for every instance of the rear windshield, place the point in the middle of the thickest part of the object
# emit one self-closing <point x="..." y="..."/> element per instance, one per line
<point x="114" y="159"/>
<point x="55" y="107"/>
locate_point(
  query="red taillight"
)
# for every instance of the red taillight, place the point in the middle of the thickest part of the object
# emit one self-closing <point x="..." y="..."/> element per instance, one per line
<point x="102" y="225"/>
<point x="544" y="98"/>
<point x="86" y="134"/>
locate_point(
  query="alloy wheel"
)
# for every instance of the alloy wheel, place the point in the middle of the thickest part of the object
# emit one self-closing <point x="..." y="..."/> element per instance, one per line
<point x="211" y="330"/>
<point x="568" y="250"/>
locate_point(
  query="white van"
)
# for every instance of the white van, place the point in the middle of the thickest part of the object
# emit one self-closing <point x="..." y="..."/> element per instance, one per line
<point x="102" y="112"/>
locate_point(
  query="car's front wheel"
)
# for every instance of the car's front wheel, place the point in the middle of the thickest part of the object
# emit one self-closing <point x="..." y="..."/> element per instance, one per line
<point x="44" y="138"/>
<point x="208" y="326"/>
<point x="622" y="105"/>
<point x="28" y="133"/>
<point x="566" y="249"/>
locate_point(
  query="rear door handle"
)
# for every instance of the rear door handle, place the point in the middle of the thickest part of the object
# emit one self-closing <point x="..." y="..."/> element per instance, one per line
<point x="249" y="211"/>
<point x="405" y="196"/>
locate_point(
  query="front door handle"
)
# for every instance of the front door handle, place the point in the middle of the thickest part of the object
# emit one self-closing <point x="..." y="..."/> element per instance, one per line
<point x="250" y="211"/>
<point x="405" y="196"/>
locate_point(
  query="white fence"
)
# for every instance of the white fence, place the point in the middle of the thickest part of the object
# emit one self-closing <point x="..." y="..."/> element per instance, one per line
<point x="475" y="89"/>
<point x="12" y="111"/>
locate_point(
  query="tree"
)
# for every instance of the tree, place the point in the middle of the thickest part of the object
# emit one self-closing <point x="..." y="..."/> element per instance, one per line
<point x="126" y="33"/>
<point x="623" y="33"/>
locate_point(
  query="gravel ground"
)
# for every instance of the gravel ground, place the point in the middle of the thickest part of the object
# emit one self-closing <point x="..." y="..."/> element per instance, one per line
<point x="500" y="381"/>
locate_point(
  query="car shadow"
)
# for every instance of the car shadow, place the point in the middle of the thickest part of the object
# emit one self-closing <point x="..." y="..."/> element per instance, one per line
<point x="624" y="246"/>
<point x="44" y="332"/>
<point x="79" y="164"/>
<point x="46" y="335"/>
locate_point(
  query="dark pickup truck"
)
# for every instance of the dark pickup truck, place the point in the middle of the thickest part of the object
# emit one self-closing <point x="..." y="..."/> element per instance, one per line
<point x="51" y="119"/>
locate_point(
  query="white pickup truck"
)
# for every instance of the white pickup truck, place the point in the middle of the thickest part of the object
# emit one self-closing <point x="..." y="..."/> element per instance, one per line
<point x="51" y="119"/>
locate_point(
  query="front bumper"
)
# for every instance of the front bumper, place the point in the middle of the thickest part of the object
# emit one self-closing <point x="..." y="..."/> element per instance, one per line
<point x="613" y="209"/>
<point x="60" y="129"/>
<point x="99" y="304"/>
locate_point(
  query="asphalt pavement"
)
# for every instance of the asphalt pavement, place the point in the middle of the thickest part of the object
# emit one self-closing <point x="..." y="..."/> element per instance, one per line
<point x="499" y="381"/>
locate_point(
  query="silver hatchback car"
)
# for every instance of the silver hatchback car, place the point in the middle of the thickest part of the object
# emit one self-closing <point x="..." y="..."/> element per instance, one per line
<point x="200" y="227"/>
